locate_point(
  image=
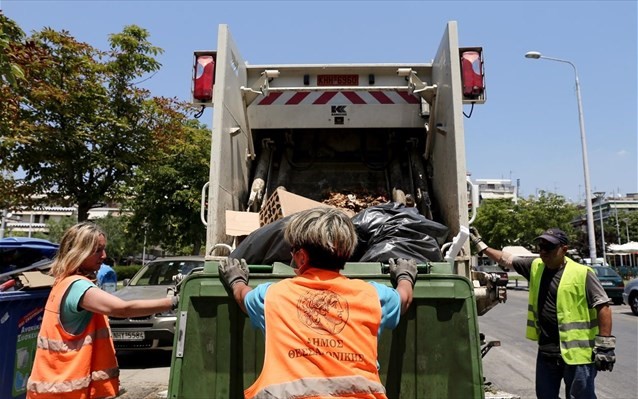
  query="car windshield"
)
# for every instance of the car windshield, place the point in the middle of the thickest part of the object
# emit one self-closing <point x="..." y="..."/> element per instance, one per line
<point x="606" y="272"/>
<point x="162" y="272"/>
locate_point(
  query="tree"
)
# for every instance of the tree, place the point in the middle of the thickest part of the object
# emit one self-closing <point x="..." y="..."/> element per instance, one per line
<point x="168" y="204"/>
<point x="10" y="33"/>
<point x="57" y="228"/>
<point x="503" y="223"/>
<point x="79" y="127"/>
<point x="120" y="242"/>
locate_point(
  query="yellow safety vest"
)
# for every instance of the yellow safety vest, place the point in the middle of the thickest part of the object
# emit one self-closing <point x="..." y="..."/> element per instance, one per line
<point x="577" y="322"/>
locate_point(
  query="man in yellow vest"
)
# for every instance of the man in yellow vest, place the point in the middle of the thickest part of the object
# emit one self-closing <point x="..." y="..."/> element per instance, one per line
<point x="321" y="327"/>
<point x="568" y="314"/>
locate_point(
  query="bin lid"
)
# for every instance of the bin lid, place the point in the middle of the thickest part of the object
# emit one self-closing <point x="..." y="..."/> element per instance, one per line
<point x="27" y="242"/>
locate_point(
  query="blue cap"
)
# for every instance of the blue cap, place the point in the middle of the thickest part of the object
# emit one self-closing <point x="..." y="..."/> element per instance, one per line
<point x="555" y="236"/>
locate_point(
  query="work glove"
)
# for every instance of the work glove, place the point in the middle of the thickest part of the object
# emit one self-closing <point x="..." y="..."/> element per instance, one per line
<point x="172" y="293"/>
<point x="233" y="270"/>
<point x="476" y="239"/>
<point x="402" y="269"/>
<point x="175" y="302"/>
<point x="603" y="355"/>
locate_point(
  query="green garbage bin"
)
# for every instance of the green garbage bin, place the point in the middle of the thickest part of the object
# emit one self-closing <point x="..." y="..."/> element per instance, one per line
<point x="21" y="315"/>
<point x="433" y="353"/>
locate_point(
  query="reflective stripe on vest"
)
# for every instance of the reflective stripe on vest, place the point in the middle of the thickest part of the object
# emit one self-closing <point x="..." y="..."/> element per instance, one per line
<point x="319" y="387"/>
<point x="321" y="339"/>
<point x="59" y="345"/>
<point x="73" y="385"/>
<point x="577" y="323"/>
<point x="72" y="366"/>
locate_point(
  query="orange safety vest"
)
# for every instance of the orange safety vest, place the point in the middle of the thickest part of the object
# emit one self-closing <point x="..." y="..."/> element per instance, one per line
<point x="71" y="366"/>
<point x="321" y="339"/>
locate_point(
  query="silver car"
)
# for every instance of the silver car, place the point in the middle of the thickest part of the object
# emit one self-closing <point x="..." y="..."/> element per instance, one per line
<point x="630" y="295"/>
<point x="152" y="281"/>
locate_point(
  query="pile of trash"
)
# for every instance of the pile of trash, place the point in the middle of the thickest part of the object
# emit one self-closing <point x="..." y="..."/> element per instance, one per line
<point x="387" y="230"/>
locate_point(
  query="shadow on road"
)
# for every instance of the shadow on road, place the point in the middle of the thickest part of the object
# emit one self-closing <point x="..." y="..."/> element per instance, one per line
<point x="143" y="359"/>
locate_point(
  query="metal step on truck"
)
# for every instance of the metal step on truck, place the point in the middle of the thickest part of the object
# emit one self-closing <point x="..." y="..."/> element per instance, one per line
<point x="303" y="132"/>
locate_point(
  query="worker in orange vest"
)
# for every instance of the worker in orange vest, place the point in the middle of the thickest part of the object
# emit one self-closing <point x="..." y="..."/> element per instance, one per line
<point x="321" y="327"/>
<point x="75" y="356"/>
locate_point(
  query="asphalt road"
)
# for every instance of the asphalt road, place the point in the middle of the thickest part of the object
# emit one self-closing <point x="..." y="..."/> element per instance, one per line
<point x="510" y="367"/>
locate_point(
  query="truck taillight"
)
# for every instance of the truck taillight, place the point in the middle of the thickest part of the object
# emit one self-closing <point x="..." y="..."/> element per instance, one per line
<point x="472" y="73"/>
<point x="203" y="76"/>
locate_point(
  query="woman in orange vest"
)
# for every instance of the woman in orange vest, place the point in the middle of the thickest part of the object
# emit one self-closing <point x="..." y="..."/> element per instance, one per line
<point x="321" y="327"/>
<point x="75" y="356"/>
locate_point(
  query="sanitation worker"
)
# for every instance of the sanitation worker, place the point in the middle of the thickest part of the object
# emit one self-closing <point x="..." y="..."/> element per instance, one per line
<point x="321" y="327"/>
<point x="75" y="356"/>
<point x="568" y="314"/>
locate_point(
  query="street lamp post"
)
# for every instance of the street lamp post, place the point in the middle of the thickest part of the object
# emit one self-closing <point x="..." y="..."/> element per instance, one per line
<point x="583" y="141"/>
<point x="617" y="224"/>
<point x="600" y="195"/>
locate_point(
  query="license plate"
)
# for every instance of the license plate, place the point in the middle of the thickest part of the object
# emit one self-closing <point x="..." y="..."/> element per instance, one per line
<point x="607" y="283"/>
<point x="128" y="335"/>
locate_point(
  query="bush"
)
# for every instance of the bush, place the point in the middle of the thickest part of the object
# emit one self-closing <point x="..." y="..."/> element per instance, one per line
<point x="126" y="271"/>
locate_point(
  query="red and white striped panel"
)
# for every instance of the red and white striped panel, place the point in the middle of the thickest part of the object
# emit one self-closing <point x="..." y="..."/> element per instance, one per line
<point x="338" y="98"/>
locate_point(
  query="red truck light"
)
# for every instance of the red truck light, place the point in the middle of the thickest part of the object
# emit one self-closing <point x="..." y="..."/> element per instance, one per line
<point x="203" y="77"/>
<point x="472" y="74"/>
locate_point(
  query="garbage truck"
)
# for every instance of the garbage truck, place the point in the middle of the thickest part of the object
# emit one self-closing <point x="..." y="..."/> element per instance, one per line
<point x="287" y="136"/>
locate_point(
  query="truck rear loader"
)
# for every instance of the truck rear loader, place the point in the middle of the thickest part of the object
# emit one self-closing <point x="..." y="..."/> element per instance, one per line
<point x="312" y="130"/>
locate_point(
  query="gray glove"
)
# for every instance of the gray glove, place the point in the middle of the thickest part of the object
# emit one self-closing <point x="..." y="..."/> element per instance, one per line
<point x="233" y="270"/>
<point x="476" y="239"/>
<point x="402" y="269"/>
<point x="603" y="355"/>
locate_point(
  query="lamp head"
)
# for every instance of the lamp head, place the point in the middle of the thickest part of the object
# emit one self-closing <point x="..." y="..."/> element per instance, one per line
<point x="533" y="54"/>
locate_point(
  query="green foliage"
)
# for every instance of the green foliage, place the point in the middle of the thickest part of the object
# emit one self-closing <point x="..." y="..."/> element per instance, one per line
<point x="170" y="204"/>
<point x="36" y="234"/>
<point x="502" y="223"/>
<point x="78" y="126"/>
<point x="57" y="228"/>
<point x="120" y="242"/>
<point x="126" y="271"/>
<point x="10" y="72"/>
<point x="617" y="227"/>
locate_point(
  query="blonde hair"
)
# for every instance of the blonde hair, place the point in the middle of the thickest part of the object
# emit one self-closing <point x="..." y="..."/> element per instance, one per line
<point x="327" y="234"/>
<point x="78" y="243"/>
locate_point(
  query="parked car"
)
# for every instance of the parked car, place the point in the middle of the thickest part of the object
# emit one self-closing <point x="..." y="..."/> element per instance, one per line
<point x="503" y="277"/>
<point x="152" y="281"/>
<point x="611" y="282"/>
<point x="630" y="295"/>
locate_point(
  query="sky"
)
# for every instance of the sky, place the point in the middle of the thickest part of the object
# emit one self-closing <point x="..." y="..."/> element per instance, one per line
<point x="528" y="130"/>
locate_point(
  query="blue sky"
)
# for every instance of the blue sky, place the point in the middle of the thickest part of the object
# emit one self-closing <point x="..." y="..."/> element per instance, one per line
<point x="528" y="128"/>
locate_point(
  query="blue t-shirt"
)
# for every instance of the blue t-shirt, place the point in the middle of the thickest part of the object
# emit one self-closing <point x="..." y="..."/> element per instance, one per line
<point x="388" y="297"/>
<point x="75" y="320"/>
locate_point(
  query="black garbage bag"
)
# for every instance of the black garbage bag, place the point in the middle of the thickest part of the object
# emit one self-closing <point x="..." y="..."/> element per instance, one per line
<point x="265" y="245"/>
<point x="393" y="230"/>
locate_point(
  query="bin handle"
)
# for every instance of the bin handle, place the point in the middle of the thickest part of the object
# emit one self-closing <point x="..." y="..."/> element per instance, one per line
<point x="202" y="211"/>
<point x="181" y="334"/>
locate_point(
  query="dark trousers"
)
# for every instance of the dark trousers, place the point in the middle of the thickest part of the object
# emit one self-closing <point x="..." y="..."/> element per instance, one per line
<point x="579" y="379"/>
